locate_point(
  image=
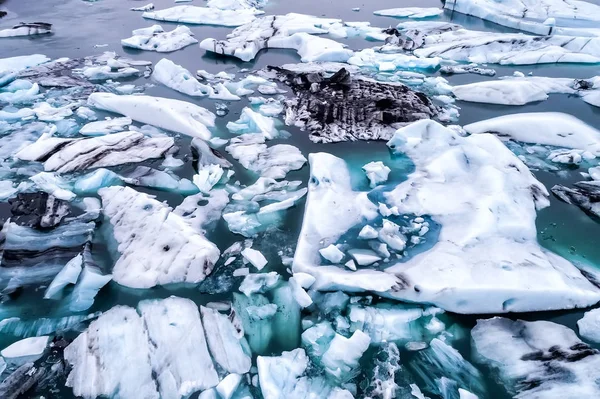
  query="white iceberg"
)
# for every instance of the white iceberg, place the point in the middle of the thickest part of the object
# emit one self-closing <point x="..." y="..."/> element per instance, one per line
<point x="589" y="325"/>
<point x="546" y="128"/>
<point x="68" y="155"/>
<point x="28" y="349"/>
<point x="537" y="359"/>
<point x="291" y="31"/>
<point x="540" y="17"/>
<point x="157" y="246"/>
<point x="410" y="12"/>
<point x="107" y="126"/>
<point x="27" y="29"/>
<point x="203" y="15"/>
<point x="166" y="113"/>
<point x="153" y="39"/>
<point x="376" y="172"/>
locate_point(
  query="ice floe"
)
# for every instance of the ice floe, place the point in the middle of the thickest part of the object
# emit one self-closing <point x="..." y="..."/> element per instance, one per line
<point x="410" y="12"/>
<point x="363" y="110"/>
<point x="147" y="7"/>
<point x="166" y="113"/>
<point x="583" y="194"/>
<point x="536" y="359"/>
<point x="523" y="90"/>
<point x="68" y="155"/>
<point x="28" y="349"/>
<point x="547" y="128"/>
<point x="27" y="29"/>
<point x="160" y="329"/>
<point x="180" y="79"/>
<point x="156" y="39"/>
<point x="452" y="42"/>
<point x="274" y="162"/>
<point x="203" y="15"/>
<point x="546" y="17"/>
<point x="292" y="31"/>
<point x="157" y="246"/>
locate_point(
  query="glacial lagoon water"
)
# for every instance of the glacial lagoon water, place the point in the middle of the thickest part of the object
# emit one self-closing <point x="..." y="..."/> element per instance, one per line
<point x="81" y="29"/>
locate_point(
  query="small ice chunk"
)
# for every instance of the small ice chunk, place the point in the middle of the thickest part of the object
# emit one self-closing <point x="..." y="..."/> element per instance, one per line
<point x="589" y="325"/>
<point x="106" y="126"/>
<point x="259" y="283"/>
<point x="28" y="349"/>
<point x="162" y="42"/>
<point x="343" y="354"/>
<point x="410" y="12"/>
<point x="376" y="172"/>
<point x="256" y="258"/>
<point x="147" y="7"/>
<point x="332" y="254"/>
<point x="368" y="233"/>
<point x="228" y="385"/>
<point x="68" y="275"/>
<point x="364" y="257"/>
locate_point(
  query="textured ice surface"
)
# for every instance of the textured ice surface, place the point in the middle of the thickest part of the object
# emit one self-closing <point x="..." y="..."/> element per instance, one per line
<point x="68" y="155"/>
<point x="161" y="329"/>
<point x="155" y="39"/>
<point x="157" y="246"/>
<point x="537" y="359"/>
<point x="291" y="31"/>
<point x="166" y="113"/>
<point x="68" y="275"/>
<point x="376" y="172"/>
<point x="545" y="17"/>
<point x="547" y="128"/>
<point x="487" y="252"/>
<point x="410" y="12"/>
<point x="253" y="122"/>
<point x="520" y="91"/>
<point x="583" y="194"/>
<point x="501" y="48"/>
<point x="180" y="79"/>
<point x="203" y="15"/>
<point x="274" y="161"/>
<point x="346" y="107"/>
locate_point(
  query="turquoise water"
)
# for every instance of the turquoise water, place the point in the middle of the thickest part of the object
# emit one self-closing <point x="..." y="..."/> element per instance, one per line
<point x="79" y="26"/>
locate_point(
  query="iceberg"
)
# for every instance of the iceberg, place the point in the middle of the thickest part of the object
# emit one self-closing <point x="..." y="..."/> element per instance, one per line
<point x="343" y="354"/>
<point x="226" y="343"/>
<point x="520" y="91"/>
<point x="589" y="325"/>
<point x="536" y="359"/>
<point x="253" y="122"/>
<point x="155" y="39"/>
<point x="546" y="128"/>
<point x="488" y="252"/>
<point x="545" y="17"/>
<point x="68" y="275"/>
<point x="410" y="12"/>
<point x="583" y="195"/>
<point x="290" y="31"/>
<point x="69" y="155"/>
<point x="174" y="115"/>
<point x="107" y="126"/>
<point x="203" y="15"/>
<point x="27" y="29"/>
<point x="273" y="162"/>
<point x="376" y="172"/>
<point x="147" y="7"/>
<point x="157" y="246"/>
<point x="39" y="210"/>
<point x="236" y="4"/>
<point x="160" y="329"/>
<point x="505" y="48"/>
<point x="364" y="110"/>
<point x="28" y="349"/>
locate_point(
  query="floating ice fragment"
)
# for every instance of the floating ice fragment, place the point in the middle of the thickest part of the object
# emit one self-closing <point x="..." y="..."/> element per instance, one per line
<point x="162" y="42"/>
<point x="377" y="173"/>
<point x="28" y="349"/>
<point x="175" y="115"/>
<point x="332" y="254"/>
<point x="27" y="29"/>
<point x="203" y="16"/>
<point x="106" y="126"/>
<point x="68" y="275"/>
<point x="255" y="258"/>
<point x="410" y="12"/>
<point x="259" y="283"/>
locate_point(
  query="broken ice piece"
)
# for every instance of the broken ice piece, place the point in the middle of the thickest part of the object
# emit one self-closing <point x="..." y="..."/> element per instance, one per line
<point x="259" y="283"/>
<point x="162" y="42"/>
<point x="256" y="258"/>
<point x="377" y="173"/>
<point x="364" y="257"/>
<point x="25" y="350"/>
<point x="332" y="254"/>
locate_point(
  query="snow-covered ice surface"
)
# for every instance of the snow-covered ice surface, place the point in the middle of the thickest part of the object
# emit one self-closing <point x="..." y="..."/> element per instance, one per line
<point x="546" y="17"/>
<point x="326" y="201"/>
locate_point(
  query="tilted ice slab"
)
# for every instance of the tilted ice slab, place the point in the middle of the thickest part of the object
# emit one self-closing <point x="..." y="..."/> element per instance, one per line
<point x="203" y="15"/>
<point x="546" y="128"/>
<point x="520" y="91"/>
<point x="537" y="359"/>
<point x="163" y="344"/>
<point x="410" y="12"/>
<point x="157" y="246"/>
<point x="487" y="258"/>
<point x="291" y="31"/>
<point x="174" y="115"/>
<point x="69" y="155"/>
<point x="508" y="48"/>
<point x="155" y="39"/>
<point x="178" y="78"/>
<point x="583" y="194"/>
<point x="541" y="17"/>
<point x="589" y="325"/>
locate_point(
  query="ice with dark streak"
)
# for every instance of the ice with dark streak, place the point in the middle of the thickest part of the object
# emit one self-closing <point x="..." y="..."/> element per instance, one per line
<point x="539" y="359"/>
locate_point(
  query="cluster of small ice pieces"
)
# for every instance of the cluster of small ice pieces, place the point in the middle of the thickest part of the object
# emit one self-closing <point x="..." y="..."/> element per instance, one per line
<point x="356" y="306"/>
